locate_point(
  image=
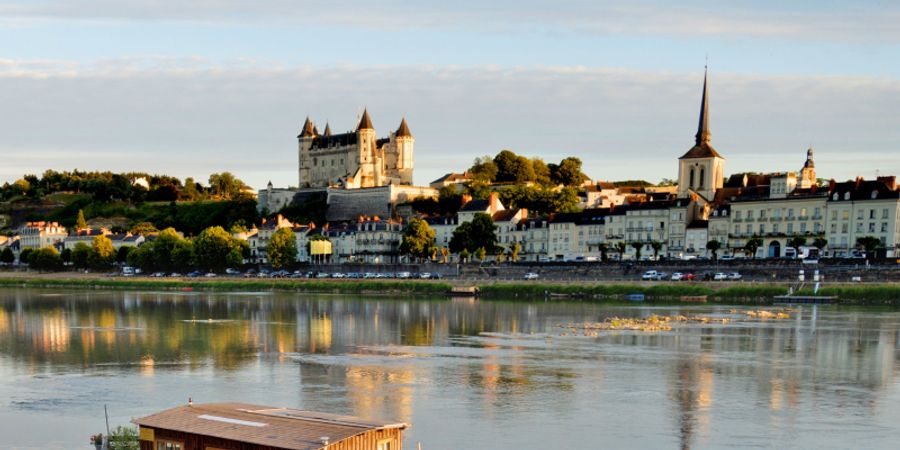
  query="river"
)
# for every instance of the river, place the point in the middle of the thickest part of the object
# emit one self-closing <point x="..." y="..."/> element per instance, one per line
<point x="466" y="374"/>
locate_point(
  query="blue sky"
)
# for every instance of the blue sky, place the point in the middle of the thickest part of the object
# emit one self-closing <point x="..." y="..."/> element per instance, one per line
<point x="190" y="88"/>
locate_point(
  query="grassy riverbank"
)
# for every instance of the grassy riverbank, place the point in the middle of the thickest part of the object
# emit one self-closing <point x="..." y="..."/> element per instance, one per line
<point x="736" y="293"/>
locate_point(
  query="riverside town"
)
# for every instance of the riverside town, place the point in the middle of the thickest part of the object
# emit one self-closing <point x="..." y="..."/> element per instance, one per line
<point x="290" y="287"/>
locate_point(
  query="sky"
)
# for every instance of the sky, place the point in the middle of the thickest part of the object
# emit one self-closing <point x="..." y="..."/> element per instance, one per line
<point x="192" y="88"/>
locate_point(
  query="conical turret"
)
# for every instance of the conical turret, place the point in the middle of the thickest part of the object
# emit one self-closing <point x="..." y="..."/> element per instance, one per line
<point x="327" y="129"/>
<point x="365" y="123"/>
<point x="403" y="130"/>
<point x="308" y="129"/>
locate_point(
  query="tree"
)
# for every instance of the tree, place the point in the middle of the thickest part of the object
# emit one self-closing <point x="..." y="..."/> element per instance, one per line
<point x="713" y="246"/>
<point x="541" y="171"/>
<point x="620" y="247"/>
<point x="752" y="245"/>
<point x="481" y="253"/>
<point x="282" y="249"/>
<point x="7" y="256"/>
<point x="80" y="223"/>
<point x="124" y="438"/>
<point x="514" y="252"/>
<point x="869" y="244"/>
<point x="637" y="246"/>
<point x="45" y="259"/>
<point x="667" y="182"/>
<point x="445" y="255"/>
<point x="603" y="248"/>
<point x="183" y="255"/>
<point x="142" y="258"/>
<point x="513" y="168"/>
<point x="160" y="250"/>
<point x="144" y="229"/>
<point x="656" y="246"/>
<point x="499" y="254"/>
<point x="480" y="232"/>
<point x="820" y="243"/>
<point x="483" y="170"/>
<point x="225" y="185"/>
<point x="80" y="254"/>
<point x="24" y="254"/>
<point x="66" y="255"/>
<point x="796" y="242"/>
<point x="418" y="239"/>
<point x="122" y="253"/>
<point x="464" y="255"/>
<point x="191" y="190"/>
<point x="215" y="249"/>
<point x="568" y="172"/>
<point x="102" y="254"/>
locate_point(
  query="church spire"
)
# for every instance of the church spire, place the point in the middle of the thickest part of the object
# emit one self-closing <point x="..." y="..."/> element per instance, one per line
<point x="703" y="134"/>
<point x="365" y="123"/>
<point x="327" y="130"/>
<point x="308" y="129"/>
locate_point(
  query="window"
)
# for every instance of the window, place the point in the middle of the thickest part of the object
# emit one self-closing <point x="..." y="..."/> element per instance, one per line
<point x="169" y="445"/>
<point x="762" y="214"/>
<point x="884" y="227"/>
<point x="871" y="227"/>
<point x="790" y="228"/>
<point x="833" y="228"/>
<point x="737" y="229"/>
<point x="702" y="176"/>
<point x="803" y="227"/>
<point x="691" y="184"/>
<point x="749" y="228"/>
<point x="817" y="212"/>
<point x="844" y="228"/>
<point x="737" y="215"/>
<point x="775" y="228"/>
<point x="384" y="445"/>
<point x="871" y="213"/>
<point x="762" y="228"/>
<point x="802" y="212"/>
<point x="845" y="214"/>
<point x="834" y="215"/>
<point x="859" y="214"/>
<point x="884" y="213"/>
<point x="790" y="213"/>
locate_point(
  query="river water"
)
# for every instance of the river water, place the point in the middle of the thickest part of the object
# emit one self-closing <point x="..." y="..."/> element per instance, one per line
<point x="466" y="374"/>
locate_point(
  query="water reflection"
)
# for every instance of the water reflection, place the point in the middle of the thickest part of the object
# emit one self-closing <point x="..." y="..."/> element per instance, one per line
<point x="481" y="366"/>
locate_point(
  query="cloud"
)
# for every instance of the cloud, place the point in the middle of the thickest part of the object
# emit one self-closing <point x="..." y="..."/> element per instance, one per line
<point x="193" y="116"/>
<point x="859" y="21"/>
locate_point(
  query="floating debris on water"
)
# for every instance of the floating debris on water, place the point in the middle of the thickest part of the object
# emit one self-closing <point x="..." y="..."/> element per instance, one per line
<point x="657" y="323"/>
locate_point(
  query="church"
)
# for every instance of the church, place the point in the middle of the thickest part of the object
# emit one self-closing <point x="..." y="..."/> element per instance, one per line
<point x="356" y="159"/>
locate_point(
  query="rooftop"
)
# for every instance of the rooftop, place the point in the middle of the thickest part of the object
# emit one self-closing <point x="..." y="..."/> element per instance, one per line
<point x="284" y="428"/>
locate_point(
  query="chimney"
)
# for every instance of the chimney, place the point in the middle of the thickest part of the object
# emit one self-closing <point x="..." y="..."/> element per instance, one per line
<point x="523" y="213"/>
<point x="494" y="200"/>
<point x="889" y="181"/>
<point x="831" y="185"/>
<point x="466" y="198"/>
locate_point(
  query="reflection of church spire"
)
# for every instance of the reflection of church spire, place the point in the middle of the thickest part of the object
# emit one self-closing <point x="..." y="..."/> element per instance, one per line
<point x="703" y="134"/>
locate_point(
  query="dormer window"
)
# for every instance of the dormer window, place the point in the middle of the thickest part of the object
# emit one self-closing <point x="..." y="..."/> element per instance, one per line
<point x="846" y="196"/>
<point x="874" y="194"/>
<point x="835" y="196"/>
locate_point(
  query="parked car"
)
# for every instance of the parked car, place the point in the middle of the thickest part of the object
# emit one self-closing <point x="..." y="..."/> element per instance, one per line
<point x="650" y="275"/>
<point x="531" y="276"/>
<point x="425" y="275"/>
<point x="231" y="271"/>
<point x="210" y="275"/>
<point x="734" y="276"/>
<point x="677" y="276"/>
<point x="436" y="276"/>
<point x="403" y="274"/>
<point x="720" y="276"/>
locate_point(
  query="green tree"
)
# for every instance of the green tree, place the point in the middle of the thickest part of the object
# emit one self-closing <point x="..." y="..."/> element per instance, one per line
<point x="183" y="255"/>
<point x="282" y="249"/>
<point x="142" y="258"/>
<point x="480" y="232"/>
<point x="66" y="255"/>
<point x="603" y="248"/>
<point x="464" y="255"/>
<point x="637" y="246"/>
<point x="418" y="239"/>
<point x="122" y="253"/>
<point x="656" y="246"/>
<point x="190" y="191"/>
<point x="144" y="229"/>
<point x="541" y="171"/>
<point x="513" y="168"/>
<point x="161" y="250"/>
<point x="869" y="244"/>
<point x="713" y="246"/>
<point x="80" y="223"/>
<point x="568" y="172"/>
<point x="796" y="242"/>
<point x="820" y="243"/>
<point x="225" y="185"/>
<point x="620" y="248"/>
<point x="667" y="182"/>
<point x="124" y="438"/>
<point x="753" y="244"/>
<point x="7" y="256"/>
<point x="24" y="254"/>
<point x="215" y="249"/>
<point x="483" y="170"/>
<point x="102" y="255"/>
<point x="45" y="259"/>
<point x="80" y="254"/>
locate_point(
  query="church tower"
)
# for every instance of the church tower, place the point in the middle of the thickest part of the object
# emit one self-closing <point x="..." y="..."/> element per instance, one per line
<point x="807" y="178"/>
<point x="701" y="169"/>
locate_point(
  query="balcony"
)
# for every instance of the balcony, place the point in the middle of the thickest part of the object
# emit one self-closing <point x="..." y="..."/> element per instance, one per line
<point x="639" y="230"/>
<point x="776" y="219"/>
<point x="763" y="219"/>
<point x="737" y="220"/>
<point x="804" y="218"/>
<point x="749" y="219"/>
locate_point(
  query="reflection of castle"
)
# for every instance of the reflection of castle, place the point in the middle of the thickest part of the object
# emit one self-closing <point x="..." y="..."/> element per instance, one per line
<point x="356" y="159"/>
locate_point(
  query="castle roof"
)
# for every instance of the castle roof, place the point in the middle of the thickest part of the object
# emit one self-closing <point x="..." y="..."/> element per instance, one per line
<point x="327" y="130"/>
<point x="308" y="129"/>
<point x="365" y="123"/>
<point x="403" y="131"/>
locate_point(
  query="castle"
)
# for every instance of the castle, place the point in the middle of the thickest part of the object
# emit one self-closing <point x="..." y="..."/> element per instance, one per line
<point x="357" y="159"/>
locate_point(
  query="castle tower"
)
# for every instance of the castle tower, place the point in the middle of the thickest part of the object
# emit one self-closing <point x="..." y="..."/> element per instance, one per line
<point x="305" y="141"/>
<point x="368" y="161"/>
<point x="701" y="169"/>
<point x="807" y="178"/>
<point x="404" y="143"/>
